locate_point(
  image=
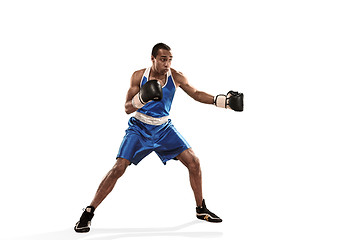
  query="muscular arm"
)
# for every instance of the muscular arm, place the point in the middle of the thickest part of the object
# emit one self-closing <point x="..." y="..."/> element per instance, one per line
<point x="197" y="95"/>
<point x="134" y="89"/>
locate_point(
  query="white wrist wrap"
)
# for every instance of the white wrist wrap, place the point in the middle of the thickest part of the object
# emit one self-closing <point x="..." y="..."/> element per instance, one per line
<point x="136" y="101"/>
<point x="220" y="100"/>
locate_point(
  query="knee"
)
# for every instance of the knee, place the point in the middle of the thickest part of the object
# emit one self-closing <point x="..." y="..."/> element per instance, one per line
<point x="119" y="168"/>
<point x="194" y="165"/>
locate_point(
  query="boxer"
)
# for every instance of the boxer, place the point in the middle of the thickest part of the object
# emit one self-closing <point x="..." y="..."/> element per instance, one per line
<point x="150" y="129"/>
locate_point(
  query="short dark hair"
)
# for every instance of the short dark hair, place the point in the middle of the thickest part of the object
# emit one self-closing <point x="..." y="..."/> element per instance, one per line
<point x="159" y="46"/>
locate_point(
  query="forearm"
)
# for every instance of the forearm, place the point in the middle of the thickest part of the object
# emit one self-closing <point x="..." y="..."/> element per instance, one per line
<point x="150" y="91"/>
<point x="203" y="97"/>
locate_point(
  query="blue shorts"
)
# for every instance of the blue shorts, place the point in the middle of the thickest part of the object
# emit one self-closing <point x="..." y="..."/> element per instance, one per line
<point x="141" y="139"/>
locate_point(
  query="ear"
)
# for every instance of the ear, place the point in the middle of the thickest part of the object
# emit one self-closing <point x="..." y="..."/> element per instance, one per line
<point x="152" y="58"/>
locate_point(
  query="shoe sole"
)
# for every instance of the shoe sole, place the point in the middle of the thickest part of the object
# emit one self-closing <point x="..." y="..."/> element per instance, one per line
<point x="81" y="230"/>
<point x="208" y="217"/>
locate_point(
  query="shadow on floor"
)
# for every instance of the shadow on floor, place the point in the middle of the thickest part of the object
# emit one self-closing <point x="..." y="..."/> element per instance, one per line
<point x="121" y="233"/>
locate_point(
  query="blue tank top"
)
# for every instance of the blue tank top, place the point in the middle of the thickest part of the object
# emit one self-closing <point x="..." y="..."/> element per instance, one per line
<point x="161" y="108"/>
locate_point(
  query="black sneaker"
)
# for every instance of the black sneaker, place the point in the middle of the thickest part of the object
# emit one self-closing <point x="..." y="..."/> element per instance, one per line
<point x="204" y="214"/>
<point x="83" y="225"/>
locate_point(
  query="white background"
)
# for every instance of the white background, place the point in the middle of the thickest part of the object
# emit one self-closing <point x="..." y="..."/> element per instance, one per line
<point x="285" y="168"/>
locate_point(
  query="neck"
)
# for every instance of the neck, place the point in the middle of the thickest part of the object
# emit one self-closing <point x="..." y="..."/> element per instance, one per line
<point x="155" y="74"/>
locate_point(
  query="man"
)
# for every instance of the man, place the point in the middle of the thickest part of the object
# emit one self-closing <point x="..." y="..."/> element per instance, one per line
<point x="150" y="95"/>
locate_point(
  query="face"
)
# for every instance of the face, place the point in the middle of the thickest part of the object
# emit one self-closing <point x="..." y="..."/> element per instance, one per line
<point x="162" y="62"/>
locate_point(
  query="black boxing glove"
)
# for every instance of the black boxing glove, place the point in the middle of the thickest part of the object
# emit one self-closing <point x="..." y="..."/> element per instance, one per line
<point x="233" y="100"/>
<point x="151" y="90"/>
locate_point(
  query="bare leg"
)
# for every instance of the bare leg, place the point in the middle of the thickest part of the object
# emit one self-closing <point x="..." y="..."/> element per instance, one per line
<point x="109" y="181"/>
<point x="189" y="159"/>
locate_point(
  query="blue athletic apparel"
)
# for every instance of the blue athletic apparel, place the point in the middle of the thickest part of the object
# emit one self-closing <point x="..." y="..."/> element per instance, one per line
<point x="141" y="139"/>
<point x="161" y="108"/>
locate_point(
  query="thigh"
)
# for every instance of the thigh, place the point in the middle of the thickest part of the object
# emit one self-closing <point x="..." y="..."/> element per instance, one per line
<point x="170" y="144"/>
<point x="122" y="163"/>
<point x="135" y="146"/>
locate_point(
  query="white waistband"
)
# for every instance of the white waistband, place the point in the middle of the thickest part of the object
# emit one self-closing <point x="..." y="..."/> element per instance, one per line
<point x="151" y="120"/>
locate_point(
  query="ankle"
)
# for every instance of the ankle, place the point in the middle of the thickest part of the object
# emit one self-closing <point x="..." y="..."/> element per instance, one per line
<point x="90" y="209"/>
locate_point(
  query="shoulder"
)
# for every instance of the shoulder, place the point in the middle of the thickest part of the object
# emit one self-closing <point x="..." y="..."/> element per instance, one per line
<point x="177" y="74"/>
<point x="178" y="77"/>
<point x="139" y="73"/>
<point x="136" y="76"/>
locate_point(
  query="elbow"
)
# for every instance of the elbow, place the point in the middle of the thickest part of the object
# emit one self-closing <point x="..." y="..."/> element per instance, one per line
<point x="129" y="109"/>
